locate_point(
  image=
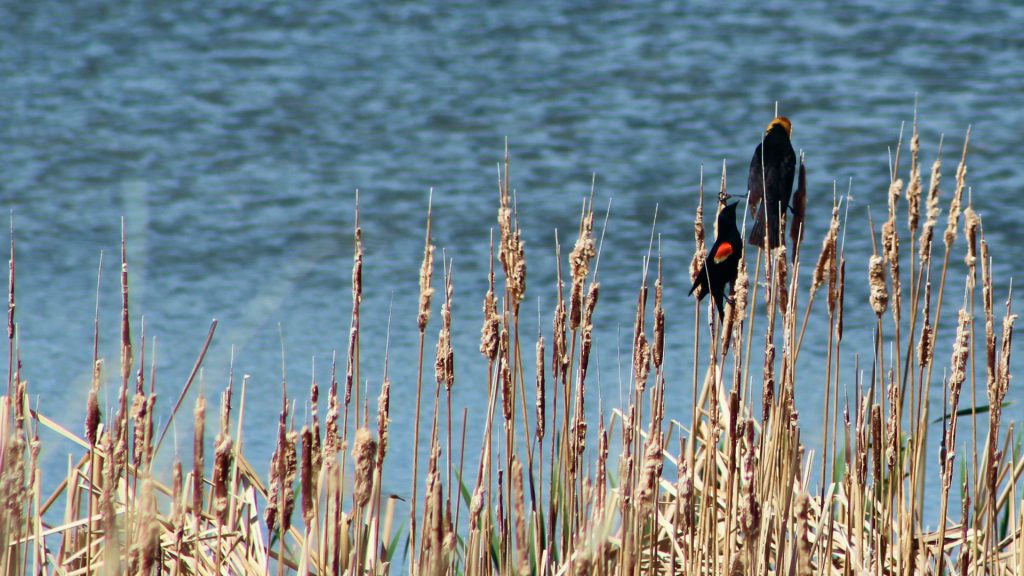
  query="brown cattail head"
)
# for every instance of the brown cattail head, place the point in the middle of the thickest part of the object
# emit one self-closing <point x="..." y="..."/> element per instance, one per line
<point x="641" y="361"/>
<point x="222" y="460"/>
<point x="650" y="475"/>
<point x="291" y="469"/>
<point x="505" y="373"/>
<point x="92" y="414"/>
<point x="426" y="291"/>
<point x="364" y="452"/>
<point x="971" y="224"/>
<point x="781" y="278"/>
<point x="828" y="251"/>
<point x="384" y="416"/>
<point x="579" y="264"/>
<point x="177" y="498"/>
<point x="658" y="350"/>
<point x="741" y="296"/>
<point x="914" y="189"/>
<point x="491" y="327"/>
<point x="924" y="344"/>
<point x="958" y="362"/>
<point x="700" y="253"/>
<point x="444" y="358"/>
<point x="306" y="475"/>
<point x="586" y="334"/>
<point x="876" y="277"/>
<point x="928" y="232"/>
<point x="954" y="203"/>
<point x="1002" y="379"/>
<point x="602" y="464"/>
<point x="541" y="389"/>
<point x="197" y="454"/>
<point x="522" y="543"/>
<point x="510" y="251"/>
<point x="149" y="549"/>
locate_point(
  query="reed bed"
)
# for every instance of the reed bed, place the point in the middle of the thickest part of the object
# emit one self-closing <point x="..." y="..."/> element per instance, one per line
<point x="732" y="491"/>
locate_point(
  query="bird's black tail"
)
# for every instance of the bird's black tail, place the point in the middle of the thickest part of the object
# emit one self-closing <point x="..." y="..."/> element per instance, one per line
<point x="756" y="237"/>
<point x="775" y="224"/>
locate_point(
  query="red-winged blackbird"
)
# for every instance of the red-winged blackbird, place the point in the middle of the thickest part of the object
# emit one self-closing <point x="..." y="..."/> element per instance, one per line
<point x="720" y="265"/>
<point x="770" y="188"/>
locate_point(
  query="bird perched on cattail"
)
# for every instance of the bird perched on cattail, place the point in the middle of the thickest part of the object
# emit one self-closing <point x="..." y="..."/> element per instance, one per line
<point x="771" y="183"/>
<point x="722" y="260"/>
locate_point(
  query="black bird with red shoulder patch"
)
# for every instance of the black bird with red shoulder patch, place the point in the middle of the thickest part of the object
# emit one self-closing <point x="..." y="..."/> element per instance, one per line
<point x="722" y="260"/>
<point x="771" y="183"/>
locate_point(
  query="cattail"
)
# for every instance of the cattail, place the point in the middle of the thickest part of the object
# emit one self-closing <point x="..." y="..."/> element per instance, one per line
<point x="933" y="208"/>
<point x="306" y="476"/>
<point x="197" y="454"/>
<point x="149" y="551"/>
<point x="277" y="483"/>
<point x="92" y="413"/>
<point x="954" y="204"/>
<point x="476" y="507"/>
<point x="876" y="276"/>
<point x="222" y="460"/>
<point x="658" y="350"/>
<point x="126" y="336"/>
<point x="750" y="513"/>
<point x="177" y="499"/>
<point x="914" y="189"/>
<point x="587" y="333"/>
<point x="650" y="475"/>
<point x="434" y="510"/>
<point x="924" y="345"/>
<point x="741" y="295"/>
<point x="291" y="470"/>
<point x="505" y="373"/>
<point x="384" y="417"/>
<point x="510" y="251"/>
<point x="641" y="362"/>
<point x="971" y="224"/>
<point x="426" y="292"/>
<point x="444" y="358"/>
<point x="579" y="263"/>
<point x="895" y="191"/>
<point x="876" y="443"/>
<point x="332" y="437"/>
<point x="1002" y="381"/>
<point x="684" y="492"/>
<point x="828" y="251"/>
<point x="600" y="479"/>
<point x="700" y="252"/>
<point x="541" y="389"/>
<point x="365" y="455"/>
<point x="522" y="544"/>
<point x="698" y="219"/>
<point x="803" y="520"/>
<point x="781" y="278"/>
<point x="958" y="362"/>
<point x="559" y="348"/>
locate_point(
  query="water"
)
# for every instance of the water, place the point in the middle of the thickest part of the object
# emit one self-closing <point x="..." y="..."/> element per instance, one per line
<point x="232" y="138"/>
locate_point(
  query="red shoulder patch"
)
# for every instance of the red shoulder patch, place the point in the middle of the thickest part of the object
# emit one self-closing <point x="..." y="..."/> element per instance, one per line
<point x="723" y="252"/>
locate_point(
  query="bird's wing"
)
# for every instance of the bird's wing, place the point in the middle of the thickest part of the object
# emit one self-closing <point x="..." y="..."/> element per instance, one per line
<point x="788" y="173"/>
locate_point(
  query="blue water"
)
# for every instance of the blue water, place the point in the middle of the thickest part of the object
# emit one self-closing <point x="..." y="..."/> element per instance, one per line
<point x="232" y="138"/>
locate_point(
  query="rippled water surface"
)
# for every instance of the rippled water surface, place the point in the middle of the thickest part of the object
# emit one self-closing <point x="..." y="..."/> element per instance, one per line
<point x="232" y="138"/>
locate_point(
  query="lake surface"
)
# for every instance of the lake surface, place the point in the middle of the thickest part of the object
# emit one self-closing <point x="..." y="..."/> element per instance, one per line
<point x="232" y="138"/>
